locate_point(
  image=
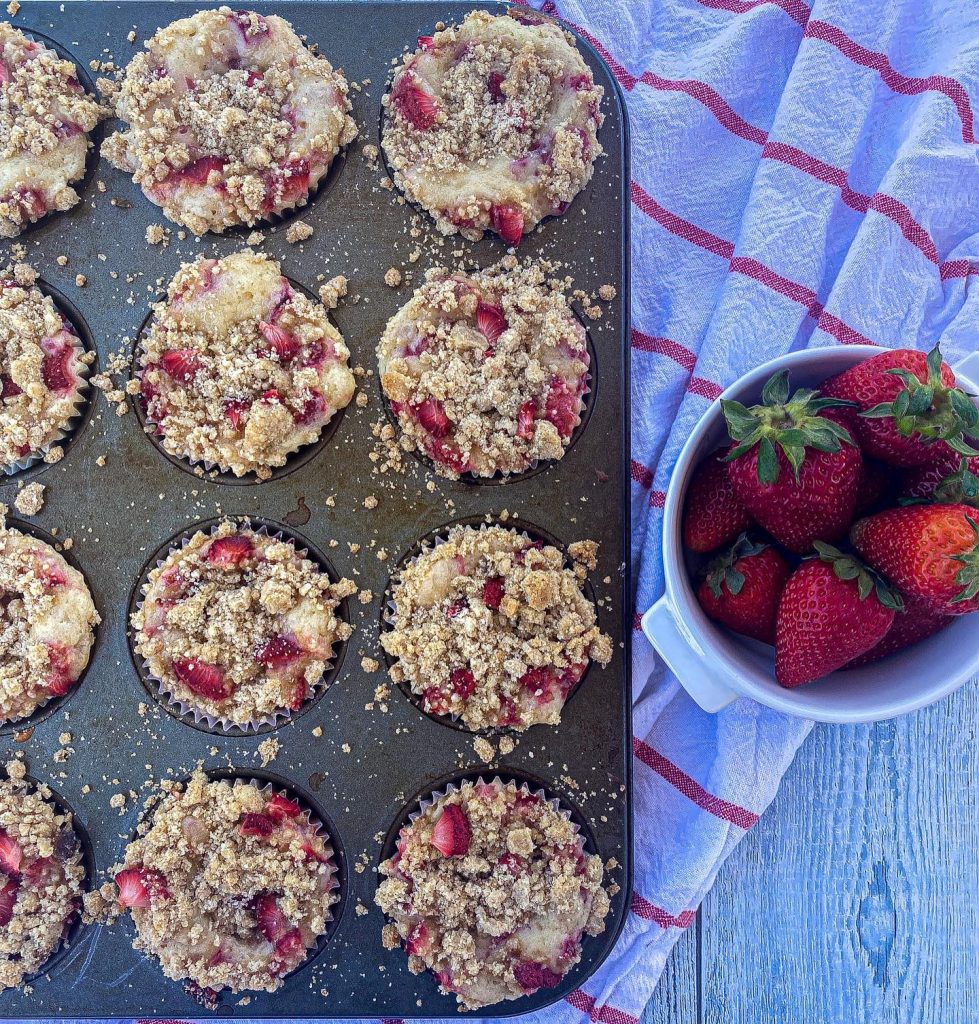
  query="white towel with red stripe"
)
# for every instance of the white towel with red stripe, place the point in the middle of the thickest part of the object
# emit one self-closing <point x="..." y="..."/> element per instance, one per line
<point x="802" y="175"/>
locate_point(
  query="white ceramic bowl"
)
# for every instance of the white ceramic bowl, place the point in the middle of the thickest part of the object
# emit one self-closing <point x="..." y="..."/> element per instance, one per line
<point x="716" y="666"/>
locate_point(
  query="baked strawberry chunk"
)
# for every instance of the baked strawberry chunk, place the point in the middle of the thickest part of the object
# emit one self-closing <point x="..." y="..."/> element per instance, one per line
<point x="203" y="679"/>
<point x="414" y="103"/>
<point x="452" y="835"/>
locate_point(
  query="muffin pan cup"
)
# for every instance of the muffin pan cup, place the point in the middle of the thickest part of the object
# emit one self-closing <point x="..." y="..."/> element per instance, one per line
<point x="122" y="501"/>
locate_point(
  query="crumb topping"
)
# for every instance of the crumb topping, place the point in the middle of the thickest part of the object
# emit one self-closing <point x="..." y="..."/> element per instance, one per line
<point x="45" y="116"/>
<point x="239" y="625"/>
<point x="40" y="367"/>
<point x="486" y="373"/>
<point x="492" y="627"/>
<point x="492" y="891"/>
<point x="230" y="886"/>
<point x="491" y="125"/>
<point x="231" y="119"/>
<point x="237" y="370"/>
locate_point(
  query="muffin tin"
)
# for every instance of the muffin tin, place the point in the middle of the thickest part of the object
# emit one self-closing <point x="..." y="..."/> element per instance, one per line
<point x="369" y="768"/>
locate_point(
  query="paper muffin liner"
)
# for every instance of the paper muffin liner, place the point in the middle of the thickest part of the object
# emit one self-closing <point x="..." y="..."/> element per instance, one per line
<point x="389" y="616"/>
<point x="164" y="692"/>
<point x="79" y="405"/>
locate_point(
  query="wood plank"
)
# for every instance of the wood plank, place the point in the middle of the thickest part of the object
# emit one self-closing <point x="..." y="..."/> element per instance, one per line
<point x="854" y="898"/>
<point x="675" y="998"/>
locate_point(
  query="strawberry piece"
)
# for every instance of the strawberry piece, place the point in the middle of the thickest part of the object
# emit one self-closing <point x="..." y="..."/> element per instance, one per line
<point x="235" y="410"/>
<point x="283" y="294"/>
<point x="294" y="180"/>
<point x="570" y="948"/>
<point x="281" y="807"/>
<point x="562" y="405"/>
<point x="463" y="682"/>
<point x="494" y="86"/>
<point x="832" y="610"/>
<point x="493" y="592"/>
<point x="10" y="854"/>
<point x="198" y="172"/>
<point x="8" y="389"/>
<point x="251" y="27"/>
<point x="531" y="976"/>
<point x="490" y="321"/>
<point x="37" y="872"/>
<point x="299" y="694"/>
<point x="526" y="417"/>
<point x="507" y="222"/>
<point x="580" y="83"/>
<point x="229" y="551"/>
<point x="272" y="923"/>
<point x="30" y="201"/>
<point x="540" y="682"/>
<point x="457" y="606"/>
<point x="281" y="346"/>
<point x="431" y="415"/>
<point x="8" y="897"/>
<point x="137" y="886"/>
<point x="448" y="455"/>
<point x="743" y="587"/>
<point x="203" y="679"/>
<point x="452" y="834"/>
<point x="426" y="42"/>
<point x="218" y="957"/>
<point x="290" y="946"/>
<point x="435" y="702"/>
<point x="512" y="863"/>
<point x="253" y="824"/>
<point x="915" y="623"/>
<point x="418" y="941"/>
<point x="413" y="103"/>
<point x="314" y="408"/>
<point x="5" y="75"/>
<point x="55" y="369"/>
<point x="182" y="365"/>
<point x="712" y="515"/>
<point x="279" y="651"/>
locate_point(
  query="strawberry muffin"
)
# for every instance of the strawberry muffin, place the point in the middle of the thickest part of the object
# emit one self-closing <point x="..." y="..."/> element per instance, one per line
<point x="492" y="627"/>
<point x="239" y="626"/>
<point x="42" y="363"/>
<point x="47" y="624"/>
<point x="491" y="124"/>
<point x="230" y="119"/>
<point x="42" y="875"/>
<point x="236" y="369"/>
<point x="486" y="373"/>
<point x="45" y="118"/>
<point x="230" y="886"/>
<point x="491" y="890"/>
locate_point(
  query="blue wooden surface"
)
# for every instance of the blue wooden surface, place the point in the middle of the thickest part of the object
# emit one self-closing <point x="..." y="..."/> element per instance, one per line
<point x="855" y="899"/>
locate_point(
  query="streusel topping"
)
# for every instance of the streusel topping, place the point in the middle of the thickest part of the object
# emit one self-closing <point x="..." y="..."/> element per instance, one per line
<point x="492" y="124"/>
<point x="41" y="879"/>
<point x="231" y="119"/>
<point x="230" y="886"/>
<point x="486" y="373"/>
<point x="492" y="627"/>
<point x="47" y="622"/>
<point x="237" y="369"/>
<point x="239" y="625"/>
<point x="45" y="116"/>
<point x="40" y="367"/>
<point x="492" y="891"/>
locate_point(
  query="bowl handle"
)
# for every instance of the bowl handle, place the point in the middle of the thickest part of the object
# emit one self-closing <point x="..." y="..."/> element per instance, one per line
<point x="685" y="660"/>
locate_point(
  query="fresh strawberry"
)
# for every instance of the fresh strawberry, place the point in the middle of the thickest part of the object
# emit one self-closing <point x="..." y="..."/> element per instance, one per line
<point x="490" y="321"/>
<point x="272" y="923"/>
<point x="915" y="623"/>
<point x="743" y="587"/>
<point x="182" y="365"/>
<point x="452" y="834"/>
<point x="833" y="609"/>
<point x="431" y="415"/>
<point x="55" y="369"/>
<point x="137" y="886"/>
<point x="526" y="416"/>
<point x="229" y="551"/>
<point x="951" y="480"/>
<point x="463" y="682"/>
<point x="418" y="941"/>
<point x="8" y="897"/>
<point x="10" y="854"/>
<point x="281" y="807"/>
<point x="279" y="651"/>
<point x="205" y="680"/>
<point x="531" y="976"/>
<point x="413" y="103"/>
<point x="493" y="592"/>
<point x="929" y="551"/>
<point x="793" y="465"/>
<point x="253" y="824"/>
<point x="280" y="345"/>
<point x="911" y="410"/>
<point x="712" y="515"/>
<point x="507" y="222"/>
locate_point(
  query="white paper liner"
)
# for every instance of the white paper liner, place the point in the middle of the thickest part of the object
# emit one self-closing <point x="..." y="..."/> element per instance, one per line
<point x="164" y="693"/>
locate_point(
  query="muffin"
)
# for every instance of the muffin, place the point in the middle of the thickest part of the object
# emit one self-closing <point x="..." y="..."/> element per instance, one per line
<point x="230" y="119"/>
<point x="492" y="628"/>
<point x="41" y="369"/>
<point x="238" y="626"/>
<point x="42" y="876"/>
<point x="236" y="369"/>
<point x="47" y="624"/>
<point x="491" y="890"/>
<point x="491" y="124"/>
<point x="230" y="886"/>
<point x="486" y="373"/>
<point x="45" y="118"/>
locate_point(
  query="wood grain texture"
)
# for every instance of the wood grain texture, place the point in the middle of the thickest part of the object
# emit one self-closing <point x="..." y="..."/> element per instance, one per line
<point x="675" y="1000"/>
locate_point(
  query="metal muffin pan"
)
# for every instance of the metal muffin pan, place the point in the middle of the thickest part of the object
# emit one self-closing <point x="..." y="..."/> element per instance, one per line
<point x="369" y="767"/>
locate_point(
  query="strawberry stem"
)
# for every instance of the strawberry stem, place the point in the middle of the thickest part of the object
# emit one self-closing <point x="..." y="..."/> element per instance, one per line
<point x="968" y="575"/>
<point x="849" y="567"/>
<point x="722" y="571"/>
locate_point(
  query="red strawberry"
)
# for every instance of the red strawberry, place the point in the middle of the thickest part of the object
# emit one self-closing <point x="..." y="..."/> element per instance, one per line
<point x="833" y="609"/>
<point x="431" y="415"/>
<point x="793" y="464"/>
<point x="915" y="623"/>
<point x="5" y="75"/>
<point x="235" y="409"/>
<point x="282" y="346"/>
<point x="8" y="389"/>
<point x="712" y="515"/>
<point x="8" y="897"/>
<point x="507" y="222"/>
<point x="953" y="479"/>
<point x="205" y="680"/>
<point x="137" y="886"/>
<point x="272" y="923"/>
<point x="743" y="587"/>
<point x="494" y="86"/>
<point x="256" y="825"/>
<point x="929" y="551"/>
<point x="531" y="976"/>
<point x="452" y="834"/>
<point x="279" y="651"/>
<point x="31" y="202"/>
<point x="10" y="854"/>
<point x="181" y="365"/>
<point x="55" y="368"/>
<point x="526" y="416"/>
<point x="493" y="592"/>
<point x="490" y="321"/>
<point x="463" y="682"/>
<point x="281" y="807"/>
<point x="418" y="941"/>
<point x="229" y="551"/>
<point x="911" y="410"/>
<point x="413" y="103"/>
